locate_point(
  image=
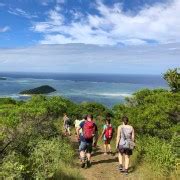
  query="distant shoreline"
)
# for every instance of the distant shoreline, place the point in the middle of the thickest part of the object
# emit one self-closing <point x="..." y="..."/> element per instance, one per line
<point x="105" y="89"/>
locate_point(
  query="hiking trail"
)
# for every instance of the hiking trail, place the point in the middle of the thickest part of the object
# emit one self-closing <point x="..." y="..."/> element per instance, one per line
<point x="103" y="166"/>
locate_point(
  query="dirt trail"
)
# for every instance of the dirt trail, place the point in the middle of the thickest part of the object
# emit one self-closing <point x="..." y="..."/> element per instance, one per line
<point x="103" y="166"/>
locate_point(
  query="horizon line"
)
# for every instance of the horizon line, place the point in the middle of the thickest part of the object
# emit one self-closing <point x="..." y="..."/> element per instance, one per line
<point x="78" y="73"/>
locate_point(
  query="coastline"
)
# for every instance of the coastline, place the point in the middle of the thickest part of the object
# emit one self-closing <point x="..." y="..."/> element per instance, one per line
<point x="106" y="92"/>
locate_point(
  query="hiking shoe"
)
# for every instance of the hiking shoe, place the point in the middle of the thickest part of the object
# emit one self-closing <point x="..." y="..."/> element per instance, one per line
<point x="126" y="171"/>
<point x="88" y="164"/>
<point x="111" y="153"/>
<point x="83" y="165"/>
<point x="121" y="167"/>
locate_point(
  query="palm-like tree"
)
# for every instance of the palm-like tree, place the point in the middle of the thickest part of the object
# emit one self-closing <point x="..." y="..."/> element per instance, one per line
<point x="172" y="76"/>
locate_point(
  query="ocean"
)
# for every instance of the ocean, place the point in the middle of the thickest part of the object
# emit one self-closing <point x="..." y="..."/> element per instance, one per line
<point x="108" y="89"/>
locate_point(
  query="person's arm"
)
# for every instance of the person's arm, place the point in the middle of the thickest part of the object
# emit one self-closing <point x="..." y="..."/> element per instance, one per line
<point x="78" y="129"/>
<point x="133" y="134"/>
<point x="103" y="131"/>
<point x="118" y="136"/>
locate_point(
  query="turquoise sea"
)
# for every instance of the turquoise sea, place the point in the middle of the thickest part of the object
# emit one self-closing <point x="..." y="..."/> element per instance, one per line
<point x="108" y="89"/>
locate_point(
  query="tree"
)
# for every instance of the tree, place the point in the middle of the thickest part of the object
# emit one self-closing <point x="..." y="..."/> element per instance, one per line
<point x="172" y="76"/>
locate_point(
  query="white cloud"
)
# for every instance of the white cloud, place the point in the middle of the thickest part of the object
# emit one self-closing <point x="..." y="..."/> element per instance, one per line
<point x="20" y="12"/>
<point x="54" y="22"/>
<point x="80" y="58"/>
<point x="159" y="23"/>
<point x="4" y="29"/>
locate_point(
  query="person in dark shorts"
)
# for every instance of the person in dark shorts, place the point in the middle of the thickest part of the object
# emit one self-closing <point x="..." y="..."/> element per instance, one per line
<point x="125" y="134"/>
<point x="89" y="132"/>
<point x="107" y="135"/>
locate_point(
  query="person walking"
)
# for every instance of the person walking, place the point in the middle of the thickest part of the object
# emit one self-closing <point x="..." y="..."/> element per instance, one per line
<point x="107" y="135"/>
<point x="66" y="121"/>
<point x="77" y="126"/>
<point x="125" y="144"/>
<point x="78" y="122"/>
<point x="89" y="132"/>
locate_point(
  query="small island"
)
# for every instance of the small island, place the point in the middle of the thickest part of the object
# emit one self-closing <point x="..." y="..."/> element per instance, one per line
<point x="45" y="89"/>
<point x="3" y="78"/>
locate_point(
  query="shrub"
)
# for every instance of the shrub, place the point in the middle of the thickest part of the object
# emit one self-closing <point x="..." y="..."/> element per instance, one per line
<point x="48" y="157"/>
<point x="12" y="166"/>
<point x="158" y="154"/>
<point x="172" y="76"/>
<point x="7" y="101"/>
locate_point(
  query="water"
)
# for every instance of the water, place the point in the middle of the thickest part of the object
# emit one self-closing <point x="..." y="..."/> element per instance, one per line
<point x="106" y="89"/>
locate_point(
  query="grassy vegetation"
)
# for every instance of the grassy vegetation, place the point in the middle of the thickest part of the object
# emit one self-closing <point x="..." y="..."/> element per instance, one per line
<point x="31" y="144"/>
<point x="33" y="147"/>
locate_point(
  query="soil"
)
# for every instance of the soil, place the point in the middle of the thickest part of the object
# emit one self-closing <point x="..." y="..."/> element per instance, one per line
<point x="103" y="166"/>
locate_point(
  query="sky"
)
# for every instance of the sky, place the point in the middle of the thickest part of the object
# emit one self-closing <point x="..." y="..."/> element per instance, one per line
<point x="89" y="36"/>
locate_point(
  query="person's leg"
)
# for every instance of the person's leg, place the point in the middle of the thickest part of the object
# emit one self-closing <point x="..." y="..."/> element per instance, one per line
<point x="88" y="159"/>
<point x="82" y="155"/>
<point x="105" y="148"/>
<point x="69" y="132"/>
<point x="120" y="157"/>
<point x="82" y="149"/>
<point x="88" y="154"/>
<point x="65" y="131"/>
<point x="83" y="158"/>
<point x="109" y="147"/>
<point x="126" y="162"/>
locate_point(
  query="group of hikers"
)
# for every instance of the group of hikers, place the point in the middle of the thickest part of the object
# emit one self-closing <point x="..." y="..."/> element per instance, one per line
<point x="87" y="137"/>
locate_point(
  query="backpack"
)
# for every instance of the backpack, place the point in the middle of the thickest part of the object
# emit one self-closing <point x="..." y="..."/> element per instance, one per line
<point x="88" y="130"/>
<point x="109" y="132"/>
<point x="128" y="143"/>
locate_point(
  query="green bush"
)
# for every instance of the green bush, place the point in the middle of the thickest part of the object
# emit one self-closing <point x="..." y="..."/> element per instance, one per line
<point x="172" y="76"/>
<point x="158" y="154"/>
<point x="4" y="101"/>
<point x="48" y="156"/>
<point x="27" y="129"/>
<point x="12" y="167"/>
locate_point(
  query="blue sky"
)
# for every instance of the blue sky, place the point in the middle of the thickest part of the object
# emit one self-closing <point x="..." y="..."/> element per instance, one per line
<point x="118" y="24"/>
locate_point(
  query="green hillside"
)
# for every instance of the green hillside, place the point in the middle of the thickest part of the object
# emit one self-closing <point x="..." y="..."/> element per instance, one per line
<point x="32" y="144"/>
